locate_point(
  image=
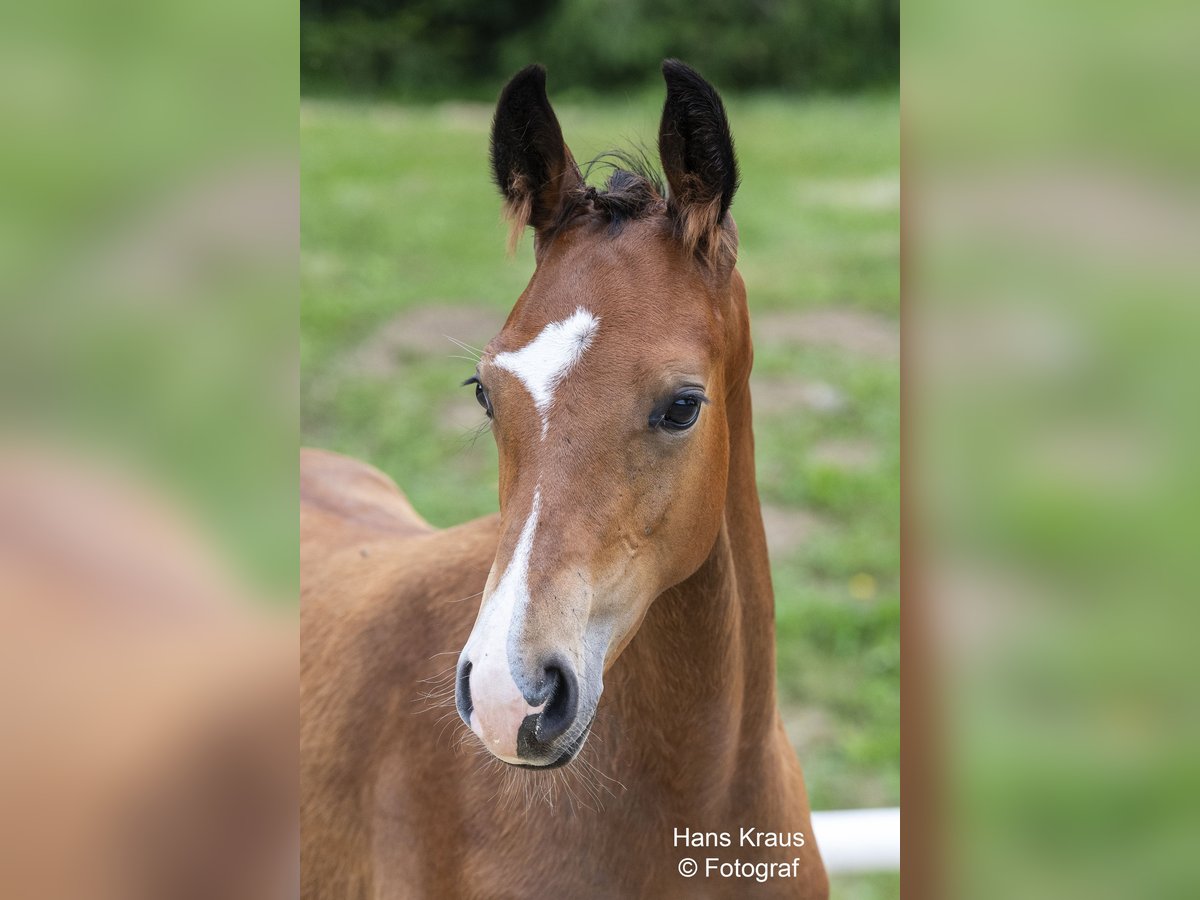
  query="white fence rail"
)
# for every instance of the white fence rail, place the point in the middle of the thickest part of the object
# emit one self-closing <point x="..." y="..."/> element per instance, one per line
<point x="858" y="840"/>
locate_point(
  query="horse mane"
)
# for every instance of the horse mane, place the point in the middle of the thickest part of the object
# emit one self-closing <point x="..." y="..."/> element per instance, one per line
<point x="634" y="189"/>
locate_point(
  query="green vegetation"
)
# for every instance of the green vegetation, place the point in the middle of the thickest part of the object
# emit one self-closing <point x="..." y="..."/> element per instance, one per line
<point x="402" y="244"/>
<point x="421" y="48"/>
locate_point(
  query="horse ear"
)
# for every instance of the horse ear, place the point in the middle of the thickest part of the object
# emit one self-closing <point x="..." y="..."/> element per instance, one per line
<point x="696" y="149"/>
<point x="530" y="161"/>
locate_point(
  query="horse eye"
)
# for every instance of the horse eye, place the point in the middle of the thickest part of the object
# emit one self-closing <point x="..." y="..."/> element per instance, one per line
<point x="682" y="413"/>
<point x="481" y="395"/>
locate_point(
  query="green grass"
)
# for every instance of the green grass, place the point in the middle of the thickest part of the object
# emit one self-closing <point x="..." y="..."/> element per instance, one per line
<point x="399" y="216"/>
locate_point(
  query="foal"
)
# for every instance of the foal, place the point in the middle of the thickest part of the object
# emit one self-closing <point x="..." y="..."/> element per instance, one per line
<point x="626" y="600"/>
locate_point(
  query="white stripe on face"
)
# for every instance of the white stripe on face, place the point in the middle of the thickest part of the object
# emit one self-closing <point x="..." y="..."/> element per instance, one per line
<point x="544" y="362"/>
<point x="498" y="705"/>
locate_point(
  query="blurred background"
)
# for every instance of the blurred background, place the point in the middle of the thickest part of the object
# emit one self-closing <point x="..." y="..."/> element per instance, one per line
<point x="465" y="48"/>
<point x="403" y="251"/>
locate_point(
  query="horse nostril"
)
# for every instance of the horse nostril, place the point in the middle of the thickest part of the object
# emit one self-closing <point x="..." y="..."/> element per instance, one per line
<point x="562" y="704"/>
<point x="462" y="692"/>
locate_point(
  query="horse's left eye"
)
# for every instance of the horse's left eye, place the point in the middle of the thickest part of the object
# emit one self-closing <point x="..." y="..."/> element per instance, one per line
<point x="681" y="413"/>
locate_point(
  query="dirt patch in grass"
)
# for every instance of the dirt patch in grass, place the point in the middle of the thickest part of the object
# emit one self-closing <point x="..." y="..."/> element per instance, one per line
<point x="847" y="455"/>
<point x="853" y="331"/>
<point x="781" y="395"/>
<point x="422" y="333"/>
<point x="787" y="529"/>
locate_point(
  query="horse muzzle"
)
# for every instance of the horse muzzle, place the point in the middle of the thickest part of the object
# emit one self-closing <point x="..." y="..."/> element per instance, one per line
<point x="525" y="718"/>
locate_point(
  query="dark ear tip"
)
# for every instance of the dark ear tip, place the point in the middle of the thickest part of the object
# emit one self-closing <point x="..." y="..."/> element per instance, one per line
<point x="679" y="75"/>
<point x="672" y="67"/>
<point x="530" y="78"/>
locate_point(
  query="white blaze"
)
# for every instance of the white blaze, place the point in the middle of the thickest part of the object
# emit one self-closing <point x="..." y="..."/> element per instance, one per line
<point x="498" y="705"/>
<point x="544" y="362"/>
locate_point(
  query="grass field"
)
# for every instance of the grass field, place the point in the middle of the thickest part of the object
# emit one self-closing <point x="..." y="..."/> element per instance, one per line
<point x="402" y="246"/>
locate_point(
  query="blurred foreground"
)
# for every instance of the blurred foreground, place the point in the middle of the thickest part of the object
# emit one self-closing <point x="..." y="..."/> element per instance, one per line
<point x="147" y="452"/>
<point x="149" y="704"/>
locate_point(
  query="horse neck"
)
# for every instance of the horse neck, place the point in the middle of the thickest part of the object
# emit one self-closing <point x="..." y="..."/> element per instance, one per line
<point x="698" y="681"/>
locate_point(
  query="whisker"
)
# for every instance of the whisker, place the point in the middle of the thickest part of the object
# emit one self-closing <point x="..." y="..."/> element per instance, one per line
<point x="463" y="345"/>
<point x="472" y="434"/>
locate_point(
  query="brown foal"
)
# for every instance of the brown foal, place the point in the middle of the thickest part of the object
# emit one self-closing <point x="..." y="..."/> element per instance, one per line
<point x="615" y="620"/>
